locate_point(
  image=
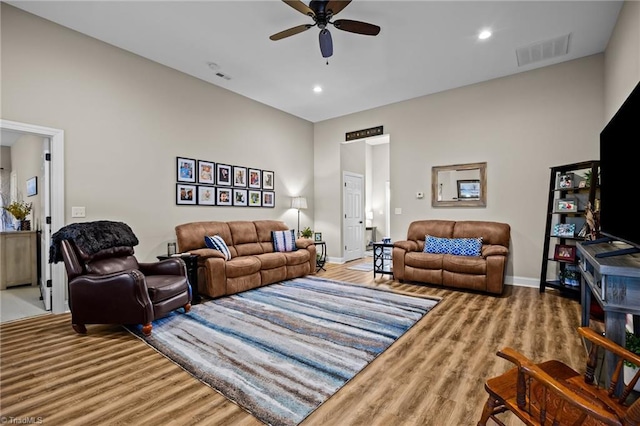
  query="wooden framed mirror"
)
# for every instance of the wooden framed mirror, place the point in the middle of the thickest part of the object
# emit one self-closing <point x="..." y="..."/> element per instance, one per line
<point x="459" y="185"/>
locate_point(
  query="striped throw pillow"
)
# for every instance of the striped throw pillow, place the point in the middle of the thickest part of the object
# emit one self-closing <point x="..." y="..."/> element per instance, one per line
<point x="217" y="243"/>
<point x="284" y="240"/>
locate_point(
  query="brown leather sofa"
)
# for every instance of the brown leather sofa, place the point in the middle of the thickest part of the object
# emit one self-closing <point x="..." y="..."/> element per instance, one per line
<point x="253" y="262"/>
<point x="484" y="273"/>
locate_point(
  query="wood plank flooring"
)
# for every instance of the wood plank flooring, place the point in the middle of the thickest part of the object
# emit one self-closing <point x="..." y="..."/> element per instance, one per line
<point x="433" y="375"/>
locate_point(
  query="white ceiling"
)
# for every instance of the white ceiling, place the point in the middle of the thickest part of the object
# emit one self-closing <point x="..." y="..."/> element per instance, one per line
<point x="424" y="47"/>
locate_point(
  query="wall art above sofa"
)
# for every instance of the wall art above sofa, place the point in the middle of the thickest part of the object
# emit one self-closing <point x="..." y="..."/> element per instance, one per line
<point x="206" y="183"/>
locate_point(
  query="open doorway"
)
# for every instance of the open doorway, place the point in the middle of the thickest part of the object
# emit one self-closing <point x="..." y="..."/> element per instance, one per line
<point x="370" y="158"/>
<point x="49" y="217"/>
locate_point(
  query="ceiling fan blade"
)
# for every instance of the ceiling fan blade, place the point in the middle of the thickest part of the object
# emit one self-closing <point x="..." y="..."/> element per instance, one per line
<point x="356" y="27"/>
<point x="335" y="6"/>
<point x="326" y="44"/>
<point x="290" y="32"/>
<point x="300" y="7"/>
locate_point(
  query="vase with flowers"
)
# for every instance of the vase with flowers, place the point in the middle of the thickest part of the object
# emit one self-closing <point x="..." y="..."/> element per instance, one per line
<point x="20" y="210"/>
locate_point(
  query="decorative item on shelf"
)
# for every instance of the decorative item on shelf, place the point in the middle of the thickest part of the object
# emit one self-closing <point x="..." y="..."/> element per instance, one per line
<point x="591" y="228"/>
<point x="587" y="177"/>
<point x="306" y="232"/>
<point x="564" y="229"/>
<point x="565" y="181"/>
<point x="566" y="205"/>
<point x="317" y="236"/>
<point x="564" y="252"/>
<point x="20" y="210"/>
<point x="570" y="276"/>
<point x="632" y="343"/>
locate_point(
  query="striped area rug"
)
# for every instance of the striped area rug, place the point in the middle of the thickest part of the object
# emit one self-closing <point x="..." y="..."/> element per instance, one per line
<point x="281" y="350"/>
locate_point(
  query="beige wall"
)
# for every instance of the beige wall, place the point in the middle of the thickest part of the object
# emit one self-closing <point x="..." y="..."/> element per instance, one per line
<point x="126" y="119"/>
<point x="622" y="58"/>
<point x="520" y="125"/>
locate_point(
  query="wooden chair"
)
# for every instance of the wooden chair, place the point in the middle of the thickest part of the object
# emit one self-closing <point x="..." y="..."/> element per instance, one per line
<point x="551" y="393"/>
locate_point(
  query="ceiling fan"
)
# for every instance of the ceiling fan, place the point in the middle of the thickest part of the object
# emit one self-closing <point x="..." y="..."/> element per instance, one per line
<point x="322" y="11"/>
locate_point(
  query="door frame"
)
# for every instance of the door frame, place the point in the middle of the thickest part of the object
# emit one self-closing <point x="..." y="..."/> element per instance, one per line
<point x="60" y="302"/>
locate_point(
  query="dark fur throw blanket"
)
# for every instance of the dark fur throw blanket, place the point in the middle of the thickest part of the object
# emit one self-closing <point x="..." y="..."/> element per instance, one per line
<point x="91" y="237"/>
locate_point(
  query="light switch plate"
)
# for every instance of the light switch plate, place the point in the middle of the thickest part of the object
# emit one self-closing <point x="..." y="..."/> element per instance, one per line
<point x="77" y="212"/>
<point x="398" y="210"/>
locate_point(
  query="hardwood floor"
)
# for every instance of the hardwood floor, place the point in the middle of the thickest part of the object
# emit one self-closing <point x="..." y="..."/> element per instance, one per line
<point x="433" y="375"/>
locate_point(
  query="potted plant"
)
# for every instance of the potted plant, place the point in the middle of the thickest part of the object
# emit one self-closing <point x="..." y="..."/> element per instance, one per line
<point x="633" y="345"/>
<point x="306" y="232"/>
<point x="20" y="210"/>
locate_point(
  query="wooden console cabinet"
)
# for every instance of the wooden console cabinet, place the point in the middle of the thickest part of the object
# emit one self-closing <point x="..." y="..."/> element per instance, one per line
<point x="18" y="258"/>
<point x="614" y="283"/>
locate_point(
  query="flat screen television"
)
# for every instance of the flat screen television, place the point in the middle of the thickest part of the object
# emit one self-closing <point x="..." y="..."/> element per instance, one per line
<point x="619" y="169"/>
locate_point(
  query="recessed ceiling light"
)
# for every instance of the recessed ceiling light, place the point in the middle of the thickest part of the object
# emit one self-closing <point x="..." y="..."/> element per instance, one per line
<point x="317" y="89"/>
<point x="484" y="34"/>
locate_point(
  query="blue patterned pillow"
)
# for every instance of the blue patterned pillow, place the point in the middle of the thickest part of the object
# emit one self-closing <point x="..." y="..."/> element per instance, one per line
<point x="217" y="243"/>
<point x="284" y="240"/>
<point x="457" y="246"/>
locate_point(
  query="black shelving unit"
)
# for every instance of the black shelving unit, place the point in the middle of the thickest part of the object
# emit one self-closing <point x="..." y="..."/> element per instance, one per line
<point x="560" y="189"/>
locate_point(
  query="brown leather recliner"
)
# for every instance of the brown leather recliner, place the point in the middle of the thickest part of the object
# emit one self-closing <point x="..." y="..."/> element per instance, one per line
<point x="112" y="287"/>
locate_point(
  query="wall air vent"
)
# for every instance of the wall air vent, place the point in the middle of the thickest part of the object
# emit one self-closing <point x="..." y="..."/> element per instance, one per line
<point x="543" y="50"/>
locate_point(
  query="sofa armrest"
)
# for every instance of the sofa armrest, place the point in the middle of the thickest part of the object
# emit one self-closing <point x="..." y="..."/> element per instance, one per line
<point x="494" y="250"/>
<point x="206" y="253"/>
<point x="407" y="245"/>
<point x="303" y="243"/>
<point x="175" y="266"/>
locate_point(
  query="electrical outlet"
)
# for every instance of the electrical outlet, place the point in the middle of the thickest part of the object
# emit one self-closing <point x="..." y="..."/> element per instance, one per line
<point x="77" y="212"/>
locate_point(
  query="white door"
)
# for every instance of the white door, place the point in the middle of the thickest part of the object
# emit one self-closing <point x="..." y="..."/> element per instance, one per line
<point x="353" y="226"/>
<point x="45" y="234"/>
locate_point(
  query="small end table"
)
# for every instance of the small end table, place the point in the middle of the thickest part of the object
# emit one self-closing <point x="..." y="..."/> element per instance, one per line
<point x="191" y="261"/>
<point x="382" y="258"/>
<point x="321" y="258"/>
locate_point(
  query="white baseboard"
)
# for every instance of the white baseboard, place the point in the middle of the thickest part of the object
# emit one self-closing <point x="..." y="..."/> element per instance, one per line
<point x="522" y="281"/>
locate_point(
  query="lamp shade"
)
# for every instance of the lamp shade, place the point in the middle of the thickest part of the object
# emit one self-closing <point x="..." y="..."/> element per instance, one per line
<point x="298" y="203"/>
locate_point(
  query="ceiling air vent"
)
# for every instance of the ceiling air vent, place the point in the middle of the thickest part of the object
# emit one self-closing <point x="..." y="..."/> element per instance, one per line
<point x="225" y="76"/>
<point x="543" y="50"/>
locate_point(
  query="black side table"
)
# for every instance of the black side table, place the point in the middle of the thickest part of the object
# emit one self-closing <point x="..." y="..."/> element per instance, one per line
<point x="321" y="258"/>
<point x="382" y="258"/>
<point x="191" y="261"/>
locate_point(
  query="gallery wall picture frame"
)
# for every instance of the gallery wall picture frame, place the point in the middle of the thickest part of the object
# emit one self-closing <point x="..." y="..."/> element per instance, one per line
<point x="206" y="172"/>
<point x="240" y="176"/>
<point x="565" y="253"/>
<point x="223" y="174"/>
<point x="255" y="178"/>
<point x="186" y="194"/>
<point x="317" y="236"/>
<point x="268" y="180"/>
<point x="239" y="197"/>
<point x="469" y="189"/>
<point x="206" y="195"/>
<point x="268" y="199"/>
<point x="32" y="186"/>
<point x="566" y="230"/>
<point x="565" y="205"/>
<point x="255" y="198"/>
<point x="224" y="196"/>
<point x="186" y="169"/>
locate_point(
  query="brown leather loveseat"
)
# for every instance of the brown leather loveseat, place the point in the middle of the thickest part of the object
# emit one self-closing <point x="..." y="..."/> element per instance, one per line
<point x="484" y="272"/>
<point x="253" y="263"/>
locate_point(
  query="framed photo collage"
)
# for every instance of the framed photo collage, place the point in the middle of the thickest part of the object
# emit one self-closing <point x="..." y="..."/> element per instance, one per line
<point x="206" y="183"/>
